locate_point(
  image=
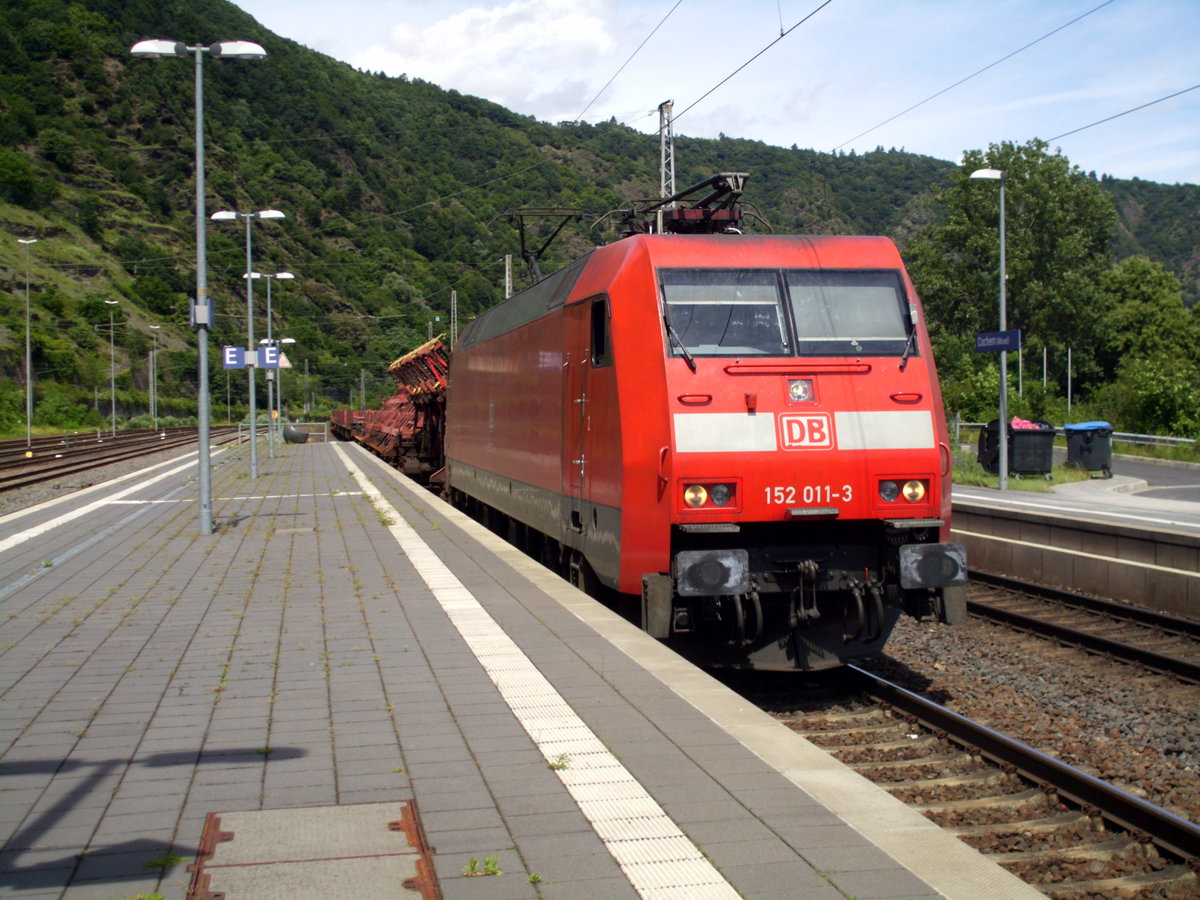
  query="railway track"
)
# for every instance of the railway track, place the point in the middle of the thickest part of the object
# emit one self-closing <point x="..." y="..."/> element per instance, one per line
<point x="66" y="455"/>
<point x="1166" y="644"/>
<point x="1056" y="827"/>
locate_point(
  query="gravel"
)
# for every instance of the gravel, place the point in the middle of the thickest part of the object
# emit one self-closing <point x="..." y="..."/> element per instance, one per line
<point x="1134" y="729"/>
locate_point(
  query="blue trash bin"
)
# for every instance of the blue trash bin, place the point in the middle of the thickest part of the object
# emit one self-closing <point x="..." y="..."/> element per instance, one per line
<point x="1089" y="446"/>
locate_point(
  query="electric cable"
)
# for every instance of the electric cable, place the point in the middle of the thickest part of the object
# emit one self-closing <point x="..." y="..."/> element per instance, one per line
<point x="782" y="35"/>
<point x="628" y="61"/>
<point x="1118" y="115"/>
<point x="973" y="74"/>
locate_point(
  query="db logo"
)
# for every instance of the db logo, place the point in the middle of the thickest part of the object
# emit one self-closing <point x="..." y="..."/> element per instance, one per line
<point x="810" y="431"/>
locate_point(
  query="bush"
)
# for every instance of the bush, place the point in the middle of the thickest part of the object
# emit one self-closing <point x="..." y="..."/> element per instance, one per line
<point x="62" y="408"/>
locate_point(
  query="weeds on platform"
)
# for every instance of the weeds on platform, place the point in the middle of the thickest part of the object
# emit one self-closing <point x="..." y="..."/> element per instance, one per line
<point x="165" y="861"/>
<point x="491" y="866"/>
<point x="560" y="762"/>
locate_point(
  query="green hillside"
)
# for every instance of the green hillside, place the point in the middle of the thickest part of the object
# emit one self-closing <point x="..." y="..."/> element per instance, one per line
<point x="395" y="193"/>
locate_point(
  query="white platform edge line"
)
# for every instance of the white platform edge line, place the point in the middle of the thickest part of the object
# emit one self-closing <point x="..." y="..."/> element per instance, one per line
<point x="426" y="561"/>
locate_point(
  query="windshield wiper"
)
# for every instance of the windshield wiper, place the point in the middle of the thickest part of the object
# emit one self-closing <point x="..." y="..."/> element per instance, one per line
<point x="908" y="347"/>
<point x="687" y="357"/>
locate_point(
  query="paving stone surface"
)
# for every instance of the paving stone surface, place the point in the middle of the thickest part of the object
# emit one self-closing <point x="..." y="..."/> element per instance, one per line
<point x="294" y="659"/>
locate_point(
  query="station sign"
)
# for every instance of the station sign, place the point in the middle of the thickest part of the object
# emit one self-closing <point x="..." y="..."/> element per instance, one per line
<point x="240" y="358"/>
<point x="997" y="341"/>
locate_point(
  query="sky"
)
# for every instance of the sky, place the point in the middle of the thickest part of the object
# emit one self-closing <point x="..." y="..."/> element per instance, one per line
<point x="844" y="75"/>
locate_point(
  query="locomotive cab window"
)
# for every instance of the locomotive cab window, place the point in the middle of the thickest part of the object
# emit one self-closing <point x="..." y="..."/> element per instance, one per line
<point x="849" y="313"/>
<point x="723" y="312"/>
<point x="601" y="338"/>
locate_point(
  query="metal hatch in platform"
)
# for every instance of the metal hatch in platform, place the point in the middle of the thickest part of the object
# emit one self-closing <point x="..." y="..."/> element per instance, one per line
<point x="359" y="850"/>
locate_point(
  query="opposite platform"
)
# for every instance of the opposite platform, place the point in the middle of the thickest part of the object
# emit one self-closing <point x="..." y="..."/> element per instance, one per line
<point x="345" y="639"/>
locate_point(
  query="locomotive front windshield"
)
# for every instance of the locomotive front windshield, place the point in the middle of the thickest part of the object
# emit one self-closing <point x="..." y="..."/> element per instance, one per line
<point x="792" y="312"/>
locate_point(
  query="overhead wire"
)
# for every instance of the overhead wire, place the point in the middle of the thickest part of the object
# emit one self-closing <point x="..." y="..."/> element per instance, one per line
<point x="1118" y="115"/>
<point x="782" y="35"/>
<point x="990" y="65"/>
<point x="629" y="60"/>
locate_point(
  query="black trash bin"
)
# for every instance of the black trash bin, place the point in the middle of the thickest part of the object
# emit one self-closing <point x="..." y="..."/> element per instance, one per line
<point x="1030" y="450"/>
<point x="989" y="447"/>
<point x="1089" y="446"/>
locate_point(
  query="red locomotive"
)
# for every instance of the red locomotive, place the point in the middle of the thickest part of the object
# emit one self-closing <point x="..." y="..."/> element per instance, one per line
<point x="745" y="432"/>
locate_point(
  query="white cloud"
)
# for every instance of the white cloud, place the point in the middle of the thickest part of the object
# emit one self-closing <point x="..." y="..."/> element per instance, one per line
<point x="533" y="56"/>
<point x="849" y="68"/>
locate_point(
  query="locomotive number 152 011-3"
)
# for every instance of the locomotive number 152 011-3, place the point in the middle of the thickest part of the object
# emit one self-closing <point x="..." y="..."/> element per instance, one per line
<point x="786" y="495"/>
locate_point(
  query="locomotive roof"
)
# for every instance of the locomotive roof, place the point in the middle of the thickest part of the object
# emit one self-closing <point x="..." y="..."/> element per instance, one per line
<point x="708" y="250"/>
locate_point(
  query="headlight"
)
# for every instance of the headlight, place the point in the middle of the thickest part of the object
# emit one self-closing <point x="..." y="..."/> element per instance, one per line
<point x="800" y="389"/>
<point x="889" y="490"/>
<point x="694" y="495"/>
<point x="914" y="491"/>
<point x="720" y="494"/>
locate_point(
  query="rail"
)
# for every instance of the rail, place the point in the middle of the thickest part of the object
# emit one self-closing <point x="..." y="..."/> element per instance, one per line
<point x="58" y="461"/>
<point x="1170" y="831"/>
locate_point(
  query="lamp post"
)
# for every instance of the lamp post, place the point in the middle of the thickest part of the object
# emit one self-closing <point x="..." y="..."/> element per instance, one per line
<point x="226" y="215"/>
<point x="999" y="175"/>
<point x="112" y="364"/>
<point x="279" y="386"/>
<point x="201" y="314"/>
<point x="154" y="377"/>
<point x="271" y="379"/>
<point x="28" y="356"/>
<point x="277" y="415"/>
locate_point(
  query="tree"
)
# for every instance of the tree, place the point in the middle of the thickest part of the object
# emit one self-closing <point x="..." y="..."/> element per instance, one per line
<point x="1151" y="347"/>
<point x="1146" y="315"/>
<point x="1058" y="223"/>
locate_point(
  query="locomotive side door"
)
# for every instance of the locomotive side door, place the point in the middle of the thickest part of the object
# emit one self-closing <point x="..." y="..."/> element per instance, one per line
<point x="588" y="342"/>
<point x="574" y="426"/>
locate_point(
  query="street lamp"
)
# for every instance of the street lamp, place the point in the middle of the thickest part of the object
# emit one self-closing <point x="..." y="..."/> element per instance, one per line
<point x="154" y="377"/>
<point x="28" y="356"/>
<point x="999" y="175"/>
<point x="226" y="215"/>
<point x="201" y="314"/>
<point x="112" y="364"/>
<point x="279" y="386"/>
<point x="271" y="429"/>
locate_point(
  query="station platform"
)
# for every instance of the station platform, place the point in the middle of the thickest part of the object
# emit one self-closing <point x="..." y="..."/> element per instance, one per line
<point x="1154" y="495"/>
<point x="351" y="690"/>
<point x="1110" y="501"/>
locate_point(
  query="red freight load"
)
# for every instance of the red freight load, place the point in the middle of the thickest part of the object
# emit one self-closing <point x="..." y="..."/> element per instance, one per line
<point x="407" y="428"/>
<point x="745" y="432"/>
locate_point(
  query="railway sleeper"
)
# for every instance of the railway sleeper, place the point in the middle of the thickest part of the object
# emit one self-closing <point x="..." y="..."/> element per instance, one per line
<point x="958" y="759"/>
<point x="1016" y="801"/>
<point x="1174" y="878"/>
<point x="842" y="721"/>
<point x="986" y="779"/>
<point x="867" y="739"/>
<point x="1029" y="827"/>
<point x="1115" y="846"/>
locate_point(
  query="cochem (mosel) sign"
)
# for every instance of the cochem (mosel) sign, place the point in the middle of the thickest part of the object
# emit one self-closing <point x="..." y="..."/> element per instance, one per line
<point x="997" y="341"/>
